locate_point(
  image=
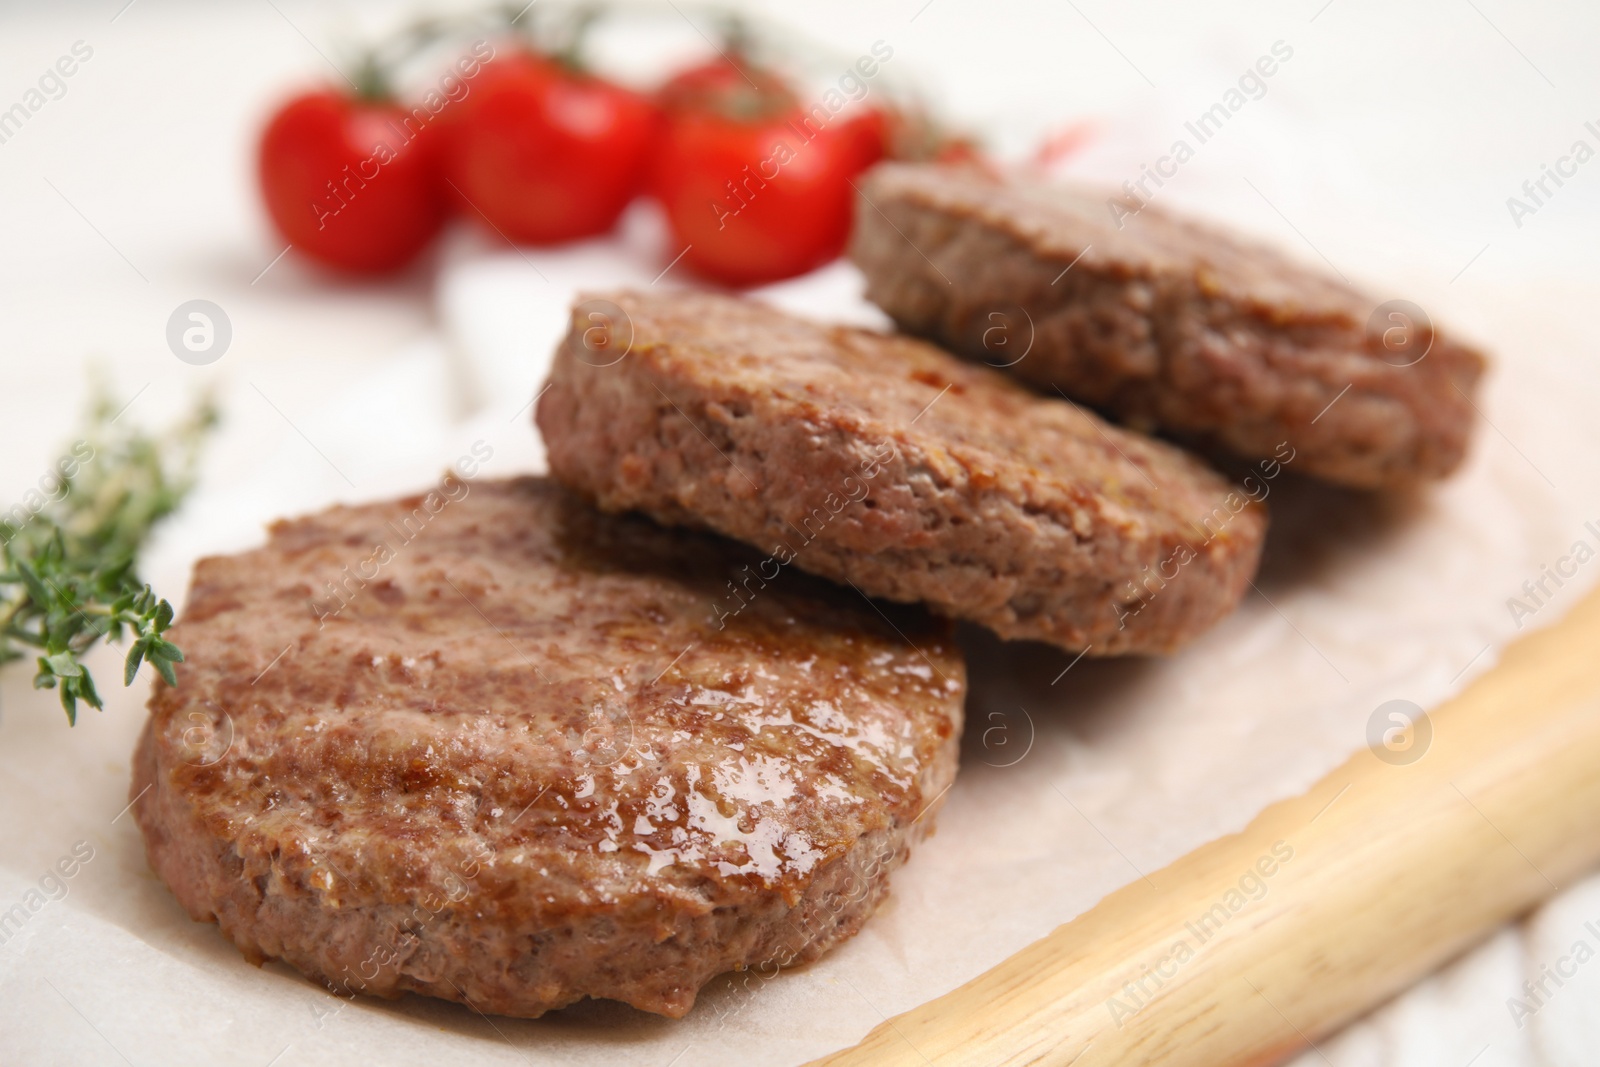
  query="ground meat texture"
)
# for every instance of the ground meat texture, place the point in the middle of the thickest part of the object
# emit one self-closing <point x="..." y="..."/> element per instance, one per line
<point x="490" y="745"/>
<point x="888" y="464"/>
<point x="1165" y="323"/>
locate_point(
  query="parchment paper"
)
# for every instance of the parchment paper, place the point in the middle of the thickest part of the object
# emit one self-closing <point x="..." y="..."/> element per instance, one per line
<point x="1077" y="778"/>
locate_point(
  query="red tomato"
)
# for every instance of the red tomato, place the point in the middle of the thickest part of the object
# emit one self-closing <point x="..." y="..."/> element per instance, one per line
<point x="755" y="187"/>
<point x="350" y="182"/>
<point x="869" y="133"/>
<point x="755" y="201"/>
<point x="549" y="154"/>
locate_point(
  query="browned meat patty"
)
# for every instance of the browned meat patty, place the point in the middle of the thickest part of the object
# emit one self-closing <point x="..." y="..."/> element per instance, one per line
<point x="493" y="746"/>
<point x="1165" y="323"/>
<point x="887" y="463"/>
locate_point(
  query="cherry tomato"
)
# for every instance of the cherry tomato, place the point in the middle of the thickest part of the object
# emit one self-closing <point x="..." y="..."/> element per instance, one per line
<point x="754" y="202"/>
<point x="755" y="188"/>
<point x="869" y="134"/>
<point x="350" y="182"/>
<point x="546" y="153"/>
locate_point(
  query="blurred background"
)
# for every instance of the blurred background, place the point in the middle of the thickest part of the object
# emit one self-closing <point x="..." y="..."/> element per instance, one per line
<point x="1388" y="144"/>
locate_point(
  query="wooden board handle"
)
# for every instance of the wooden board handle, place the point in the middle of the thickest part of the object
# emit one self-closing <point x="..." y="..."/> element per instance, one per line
<point x="1248" y="949"/>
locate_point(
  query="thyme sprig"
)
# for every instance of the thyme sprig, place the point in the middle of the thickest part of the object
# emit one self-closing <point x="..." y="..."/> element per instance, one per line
<point x="67" y="577"/>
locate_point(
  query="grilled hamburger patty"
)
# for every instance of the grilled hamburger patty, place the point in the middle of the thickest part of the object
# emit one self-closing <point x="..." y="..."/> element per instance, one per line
<point x="1165" y="323"/>
<point x="519" y="753"/>
<point x="884" y="462"/>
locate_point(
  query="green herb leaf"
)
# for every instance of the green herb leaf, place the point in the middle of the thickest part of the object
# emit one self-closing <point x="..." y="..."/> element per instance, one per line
<point x="130" y="669"/>
<point x="67" y="576"/>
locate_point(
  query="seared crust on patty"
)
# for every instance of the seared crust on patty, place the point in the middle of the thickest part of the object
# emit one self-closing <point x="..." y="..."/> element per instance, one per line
<point x="518" y="753"/>
<point x="1165" y="323"/>
<point x="886" y="463"/>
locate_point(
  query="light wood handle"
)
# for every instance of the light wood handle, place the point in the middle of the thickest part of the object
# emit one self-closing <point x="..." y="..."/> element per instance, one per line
<point x="1394" y="870"/>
